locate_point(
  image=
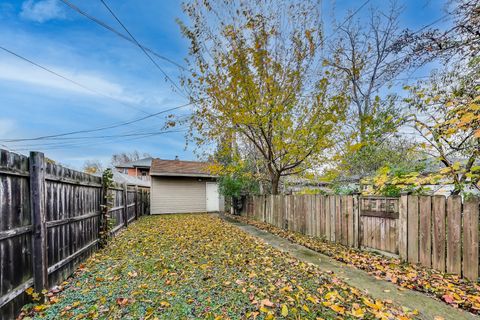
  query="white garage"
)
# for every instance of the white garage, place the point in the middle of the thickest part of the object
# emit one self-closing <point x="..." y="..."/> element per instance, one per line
<point x="183" y="187"/>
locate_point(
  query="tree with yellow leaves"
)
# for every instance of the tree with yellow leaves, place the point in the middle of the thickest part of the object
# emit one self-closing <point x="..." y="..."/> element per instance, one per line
<point x="447" y="117"/>
<point x="255" y="74"/>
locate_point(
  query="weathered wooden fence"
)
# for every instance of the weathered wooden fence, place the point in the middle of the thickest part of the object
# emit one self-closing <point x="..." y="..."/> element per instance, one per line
<point x="49" y="223"/>
<point x="434" y="231"/>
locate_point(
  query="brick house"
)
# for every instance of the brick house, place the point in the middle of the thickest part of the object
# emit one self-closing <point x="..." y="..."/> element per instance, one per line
<point x="139" y="168"/>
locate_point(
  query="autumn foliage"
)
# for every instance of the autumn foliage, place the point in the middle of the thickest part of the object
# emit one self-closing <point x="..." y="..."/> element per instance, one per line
<point x="451" y="289"/>
<point x="198" y="266"/>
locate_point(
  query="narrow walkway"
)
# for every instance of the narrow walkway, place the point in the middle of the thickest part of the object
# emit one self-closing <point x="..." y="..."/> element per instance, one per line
<point x="428" y="307"/>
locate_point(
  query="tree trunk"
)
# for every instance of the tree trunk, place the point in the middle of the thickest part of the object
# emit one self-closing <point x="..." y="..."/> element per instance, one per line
<point x="275" y="179"/>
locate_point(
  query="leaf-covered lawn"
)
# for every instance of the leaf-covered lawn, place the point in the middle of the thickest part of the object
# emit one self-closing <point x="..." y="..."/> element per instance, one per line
<point x="449" y="288"/>
<point x="197" y="266"/>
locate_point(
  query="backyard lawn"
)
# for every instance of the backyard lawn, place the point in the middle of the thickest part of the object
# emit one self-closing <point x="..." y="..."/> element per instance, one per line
<point x="198" y="266"/>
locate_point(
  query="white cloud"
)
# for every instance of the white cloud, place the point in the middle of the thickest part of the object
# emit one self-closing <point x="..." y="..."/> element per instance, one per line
<point x="43" y="10"/>
<point x="11" y="70"/>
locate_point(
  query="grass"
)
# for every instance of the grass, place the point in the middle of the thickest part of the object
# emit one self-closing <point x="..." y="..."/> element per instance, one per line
<point x="450" y="288"/>
<point x="200" y="267"/>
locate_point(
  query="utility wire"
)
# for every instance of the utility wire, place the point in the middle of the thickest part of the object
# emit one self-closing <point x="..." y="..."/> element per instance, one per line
<point x="347" y="19"/>
<point x="143" y="49"/>
<point x="79" y="144"/>
<point x="96" y="129"/>
<point x="70" y="80"/>
<point x="88" y="138"/>
<point x="118" y="33"/>
<point x="149" y="115"/>
<point x="416" y="32"/>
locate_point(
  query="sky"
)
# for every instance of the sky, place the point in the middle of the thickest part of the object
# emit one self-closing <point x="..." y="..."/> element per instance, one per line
<point x="114" y="81"/>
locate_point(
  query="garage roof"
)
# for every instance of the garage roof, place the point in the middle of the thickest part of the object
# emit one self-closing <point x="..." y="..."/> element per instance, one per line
<point x="179" y="168"/>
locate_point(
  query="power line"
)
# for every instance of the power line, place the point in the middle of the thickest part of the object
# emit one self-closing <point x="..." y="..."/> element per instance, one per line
<point x="86" y="139"/>
<point x="96" y="129"/>
<point x="416" y="32"/>
<point x="143" y="49"/>
<point x="118" y="33"/>
<point x="347" y="19"/>
<point x="78" y="144"/>
<point x="70" y="80"/>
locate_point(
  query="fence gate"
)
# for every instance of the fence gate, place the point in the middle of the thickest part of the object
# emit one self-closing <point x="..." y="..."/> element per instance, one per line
<point x="379" y="223"/>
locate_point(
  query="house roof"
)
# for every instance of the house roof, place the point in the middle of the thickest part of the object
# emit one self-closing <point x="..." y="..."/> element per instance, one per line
<point x="179" y="168"/>
<point x="145" y="162"/>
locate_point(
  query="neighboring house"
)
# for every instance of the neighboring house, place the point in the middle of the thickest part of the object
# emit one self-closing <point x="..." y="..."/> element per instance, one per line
<point x="183" y="187"/>
<point x="139" y="168"/>
<point x="123" y="178"/>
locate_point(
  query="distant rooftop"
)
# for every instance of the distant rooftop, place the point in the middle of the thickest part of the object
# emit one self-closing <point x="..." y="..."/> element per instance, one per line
<point x="144" y="163"/>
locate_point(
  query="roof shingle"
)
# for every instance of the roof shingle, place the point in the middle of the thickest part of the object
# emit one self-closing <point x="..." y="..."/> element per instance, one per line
<point x="162" y="167"/>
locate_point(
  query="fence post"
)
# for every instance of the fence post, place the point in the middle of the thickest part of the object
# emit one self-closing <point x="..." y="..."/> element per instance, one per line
<point x="403" y="227"/>
<point x="125" y="205"/>
<point x="136" y="202"/>
<point x="37" y="204"/>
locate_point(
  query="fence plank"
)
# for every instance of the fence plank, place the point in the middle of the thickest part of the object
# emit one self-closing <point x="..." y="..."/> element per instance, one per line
<point x="136" y="202"/>
<point x="323" y="218"/>
<point x="333" y="220"/>
<point x="403" y="227"/>
<point x="356" y="222"/>
<point x="438" y="233"/>
<point x="350" y="219"/>
<point x="326" y="213"/>
<point x="425" y="231"/>
<point x="470" y="239"/>
<point x="454" y="223"/>
<point x="125" y="205"/>
<point x="412" y="224"/>
<point x="343" y="218"/>
<point x="37" y="200"/>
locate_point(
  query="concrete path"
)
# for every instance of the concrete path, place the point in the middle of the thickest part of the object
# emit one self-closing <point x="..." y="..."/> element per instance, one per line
<point x="428" y="307"/>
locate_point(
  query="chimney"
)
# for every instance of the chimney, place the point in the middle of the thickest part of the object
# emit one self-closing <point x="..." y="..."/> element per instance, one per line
<point x="176" y="158"/>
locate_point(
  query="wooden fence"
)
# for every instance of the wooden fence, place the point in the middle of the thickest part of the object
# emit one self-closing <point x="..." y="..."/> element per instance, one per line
<point x="434" y="231"/>
<point x="49" y="223"/>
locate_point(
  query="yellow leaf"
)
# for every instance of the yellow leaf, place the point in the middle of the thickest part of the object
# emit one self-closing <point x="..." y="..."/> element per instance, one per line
<point x="337" y="309"/>
<point x="39" y="308"/>
<point x="359" y="313"/>
<point x="284" y="310"/>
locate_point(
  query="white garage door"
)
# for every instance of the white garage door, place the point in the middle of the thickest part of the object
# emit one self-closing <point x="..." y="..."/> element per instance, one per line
<point x="177" y="195"/>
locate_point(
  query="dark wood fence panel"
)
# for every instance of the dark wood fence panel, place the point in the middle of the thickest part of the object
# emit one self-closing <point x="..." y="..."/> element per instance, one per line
<point x="66" y="205"/>
<point x="72" y="218"/>
<point x="15" y="233"/>
<point x="434" y="231"/>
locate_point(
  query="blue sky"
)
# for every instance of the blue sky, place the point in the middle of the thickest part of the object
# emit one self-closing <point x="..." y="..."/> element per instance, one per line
<point x="35" y="103"/>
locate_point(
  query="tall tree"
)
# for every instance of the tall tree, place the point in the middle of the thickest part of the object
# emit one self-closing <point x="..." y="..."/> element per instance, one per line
<point x="124" y="157"/>
<point x="369" y="55"/>
<point x="460" y="41"/>
<point x="93" y="166"/>
<point x="446" y="114"/>
<point x="254" y="73"/>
